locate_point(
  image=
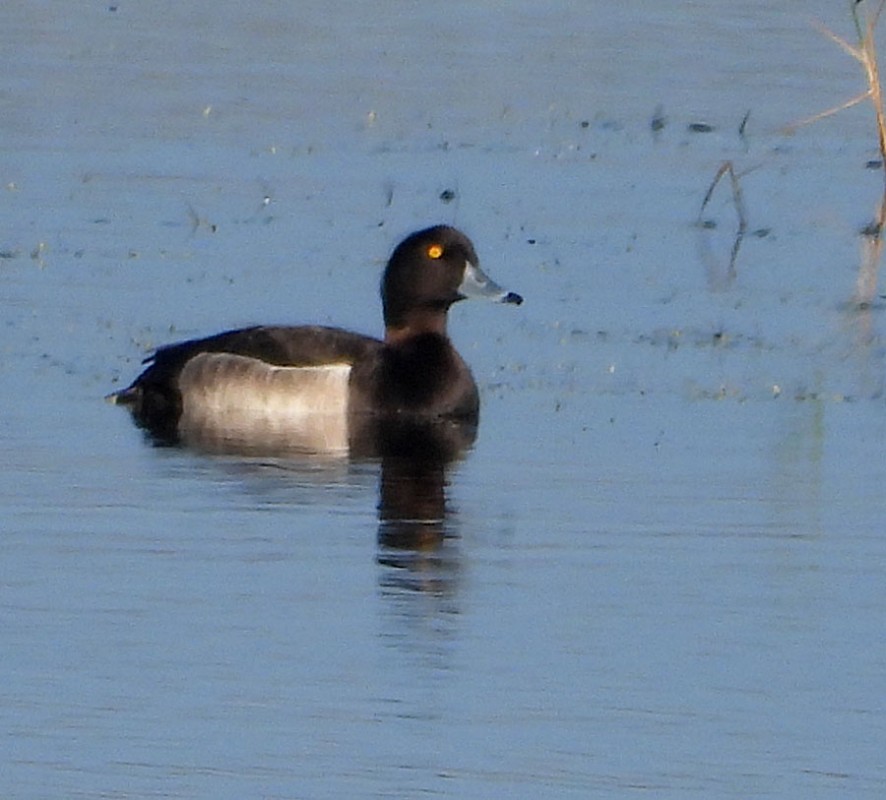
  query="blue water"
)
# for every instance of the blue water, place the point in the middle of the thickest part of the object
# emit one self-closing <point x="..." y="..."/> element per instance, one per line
<point x="659" y="571"/>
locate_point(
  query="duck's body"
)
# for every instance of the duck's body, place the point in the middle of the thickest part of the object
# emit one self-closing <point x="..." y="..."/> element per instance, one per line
<point x="315" y="386"/>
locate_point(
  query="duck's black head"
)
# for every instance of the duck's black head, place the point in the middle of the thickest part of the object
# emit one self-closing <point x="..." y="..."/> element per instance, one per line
<point x="428" y="272"/>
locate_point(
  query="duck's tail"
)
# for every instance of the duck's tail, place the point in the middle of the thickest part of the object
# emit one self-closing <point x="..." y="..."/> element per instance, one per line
<point x="125" y="397"/>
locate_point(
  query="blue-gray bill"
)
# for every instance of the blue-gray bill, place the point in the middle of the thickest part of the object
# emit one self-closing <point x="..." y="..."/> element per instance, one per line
<point x="477" y="284"/>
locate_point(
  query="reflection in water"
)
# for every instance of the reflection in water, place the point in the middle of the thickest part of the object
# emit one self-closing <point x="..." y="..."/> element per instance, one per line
<point x="414" y="518"/>
<point x="416" y="525"/>
<point x="865" y="299"/>
<point x="865" y="306"/>
<point x="722" y="274"/>
<point x="418" y="554"/>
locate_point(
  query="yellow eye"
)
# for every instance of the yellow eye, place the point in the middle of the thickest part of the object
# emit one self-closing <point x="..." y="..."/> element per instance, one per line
<point x="435" y="251"/>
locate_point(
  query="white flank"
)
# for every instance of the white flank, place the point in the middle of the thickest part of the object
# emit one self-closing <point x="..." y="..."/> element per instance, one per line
<point x="233" y="402"/>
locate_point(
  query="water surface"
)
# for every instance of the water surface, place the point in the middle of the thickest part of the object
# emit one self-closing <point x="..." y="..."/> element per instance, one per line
<point x="659" y="570"/>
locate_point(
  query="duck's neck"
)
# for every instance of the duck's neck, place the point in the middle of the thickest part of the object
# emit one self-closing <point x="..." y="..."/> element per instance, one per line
<point x="415" y="323"/>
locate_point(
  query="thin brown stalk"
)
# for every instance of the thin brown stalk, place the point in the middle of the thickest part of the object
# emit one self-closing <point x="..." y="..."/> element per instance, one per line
<point x="726" y="168"/>
<point x="865" y="52"/>
<point x="793" y="126"/>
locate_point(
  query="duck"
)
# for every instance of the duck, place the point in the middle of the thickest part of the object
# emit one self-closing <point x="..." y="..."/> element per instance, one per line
<point x="318" y="389"/>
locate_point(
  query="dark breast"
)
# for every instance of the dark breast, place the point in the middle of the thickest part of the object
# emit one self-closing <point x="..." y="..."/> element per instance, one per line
<point x="422" y="375"/>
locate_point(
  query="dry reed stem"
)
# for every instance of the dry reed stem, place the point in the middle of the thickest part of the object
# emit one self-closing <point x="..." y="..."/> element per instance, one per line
<point x="872" y="244"/>
<point x="726" y="168"/>
<point x="866" y="55"/>
<point x="868" y="52"/>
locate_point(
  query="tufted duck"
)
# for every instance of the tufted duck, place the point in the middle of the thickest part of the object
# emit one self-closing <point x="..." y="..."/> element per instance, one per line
<point x="315" y="386"/>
